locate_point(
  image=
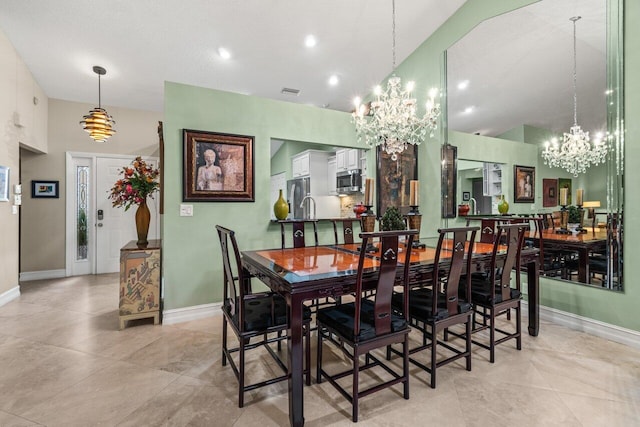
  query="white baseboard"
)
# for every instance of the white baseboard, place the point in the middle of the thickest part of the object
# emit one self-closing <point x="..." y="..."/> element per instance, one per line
<point x="594" y="327"/>
<point x="185" y="314"/>
<point x="9" y="295"/>
<point x="42" y="275"/>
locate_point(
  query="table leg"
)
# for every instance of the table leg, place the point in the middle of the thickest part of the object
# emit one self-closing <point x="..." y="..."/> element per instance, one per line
<point x="583" y="266"/>
<point x="533" y="284"/>
<point x="296" y="365"/>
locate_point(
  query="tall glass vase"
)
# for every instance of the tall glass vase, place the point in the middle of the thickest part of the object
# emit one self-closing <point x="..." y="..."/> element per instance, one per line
<point x="143" y="216"/>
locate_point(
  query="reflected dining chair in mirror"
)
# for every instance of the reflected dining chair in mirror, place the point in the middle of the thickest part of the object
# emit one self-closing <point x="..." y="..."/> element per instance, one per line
<point x="497" y="293"/>
<point x="359" y="327"/>
<point x="257" y="319"/>
<point x="447" y="302"/>
<point x="297" y="232"/>
<point x="346" y="225"/>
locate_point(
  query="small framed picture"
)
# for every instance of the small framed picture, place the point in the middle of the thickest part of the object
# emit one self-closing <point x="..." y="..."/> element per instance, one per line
<point x="466" y="196"/>
<point x="524" y="181"/>
<point x="44" y="189"/>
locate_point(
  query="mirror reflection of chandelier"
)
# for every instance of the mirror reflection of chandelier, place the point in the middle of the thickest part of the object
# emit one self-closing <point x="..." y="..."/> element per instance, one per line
<point x="576" y="153"/>
<point x="391" y="121"/>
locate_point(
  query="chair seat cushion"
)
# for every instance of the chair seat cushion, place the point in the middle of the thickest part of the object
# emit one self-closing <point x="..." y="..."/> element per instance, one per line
<point x="481" y="292"/>
<point x="341" y="319"/>
<point x="420" y="305"/>
<point x="258" y="315"/>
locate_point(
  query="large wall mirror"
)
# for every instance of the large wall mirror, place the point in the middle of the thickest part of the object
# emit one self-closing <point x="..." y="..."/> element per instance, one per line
<point x="509" y="84"/>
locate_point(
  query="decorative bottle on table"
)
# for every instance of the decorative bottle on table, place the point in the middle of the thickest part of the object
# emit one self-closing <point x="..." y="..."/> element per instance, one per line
<point x="281" y="207"/>
<point x="503" y="206"/>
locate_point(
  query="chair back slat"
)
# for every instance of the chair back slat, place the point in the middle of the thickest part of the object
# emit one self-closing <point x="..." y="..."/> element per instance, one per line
<point x="389" y="256"/>
<point x="297" y="233"/>
<point x="514" y="239"/>
<point x="347" y="231"/>
<point x="234" y="284"/>
<point x="459" y="241"/>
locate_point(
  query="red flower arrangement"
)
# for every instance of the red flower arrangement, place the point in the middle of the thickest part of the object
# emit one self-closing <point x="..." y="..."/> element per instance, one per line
<point x="139" y="182"/>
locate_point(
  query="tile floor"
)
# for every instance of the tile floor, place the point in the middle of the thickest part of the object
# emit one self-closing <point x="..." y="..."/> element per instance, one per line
<point x="63" y="362"/>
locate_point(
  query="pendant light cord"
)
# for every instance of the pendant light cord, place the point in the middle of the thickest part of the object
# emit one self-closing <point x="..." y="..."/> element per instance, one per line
<point x="575" y="66"/>
<point x="393" y="33"/>
<point x="99" y="93"/>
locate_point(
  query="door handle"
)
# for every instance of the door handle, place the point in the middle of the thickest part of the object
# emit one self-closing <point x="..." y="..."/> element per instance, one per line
<point x="99" y="224"/>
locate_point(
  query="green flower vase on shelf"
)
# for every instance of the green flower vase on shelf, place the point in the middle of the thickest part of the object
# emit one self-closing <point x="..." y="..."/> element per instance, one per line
<point x="281" y="207"/>
<point x="503" y="206"/>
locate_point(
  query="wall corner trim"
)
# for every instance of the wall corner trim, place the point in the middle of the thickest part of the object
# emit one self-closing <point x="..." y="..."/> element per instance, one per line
<point x="27" y="276"/>
<point x="9" y="295"/>
<point x="590" y="326"/>
<point x="185" y="314"/>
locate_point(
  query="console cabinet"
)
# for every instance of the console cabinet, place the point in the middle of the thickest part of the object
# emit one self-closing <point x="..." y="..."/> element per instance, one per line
<point x="140" y="282"/>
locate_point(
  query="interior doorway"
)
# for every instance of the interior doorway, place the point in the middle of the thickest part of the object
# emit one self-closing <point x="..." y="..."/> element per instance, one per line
<point x="95" y="229"/>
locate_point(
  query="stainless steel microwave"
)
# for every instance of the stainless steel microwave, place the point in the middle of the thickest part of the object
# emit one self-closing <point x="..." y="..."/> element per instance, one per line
<point x="348" y="182"/>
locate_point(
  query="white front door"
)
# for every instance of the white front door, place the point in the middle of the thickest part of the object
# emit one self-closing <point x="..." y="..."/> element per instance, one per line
<point x="89" y="181"/>
<point x="117" y="226"/>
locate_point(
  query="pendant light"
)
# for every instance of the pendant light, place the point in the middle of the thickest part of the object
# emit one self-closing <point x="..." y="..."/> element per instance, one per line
<point x="98" y="123"/>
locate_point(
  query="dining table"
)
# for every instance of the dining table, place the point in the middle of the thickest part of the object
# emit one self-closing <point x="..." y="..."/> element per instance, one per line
<point x="312" y="272"/>
<point x="593" y="240"/>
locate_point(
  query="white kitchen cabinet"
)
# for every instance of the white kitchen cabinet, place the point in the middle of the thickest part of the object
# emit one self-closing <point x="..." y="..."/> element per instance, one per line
<point x="331" y="176"/>
<point x="347" y="159"/>
<point x="492" y="179"/>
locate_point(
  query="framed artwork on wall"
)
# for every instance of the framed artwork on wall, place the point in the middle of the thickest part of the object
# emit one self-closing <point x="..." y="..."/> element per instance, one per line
<point x="394" y="178"/>
<point x="550" y="193"/>
<point x="44" y="189"/>
<point x="524" y="184"/>
<point x="217" y="167"/>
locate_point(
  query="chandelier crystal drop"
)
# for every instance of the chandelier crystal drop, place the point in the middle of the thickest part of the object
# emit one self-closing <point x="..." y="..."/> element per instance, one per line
<point x="576" y="153"/>
<point x="391" y="121"/>
<point x="98" y="123"/>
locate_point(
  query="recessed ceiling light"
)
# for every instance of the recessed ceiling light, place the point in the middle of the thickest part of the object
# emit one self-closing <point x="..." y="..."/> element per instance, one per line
<point x="463" y="84"/>
<point x="224" y="53"/>
<point x="333" y="80"/>
<point x="468" y="110"/>
<point x="310" y="41"/>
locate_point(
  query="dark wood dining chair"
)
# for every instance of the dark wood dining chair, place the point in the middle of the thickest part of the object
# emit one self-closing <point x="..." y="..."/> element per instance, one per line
<point x="498" y="293"/>
<point x="298" y="233"/>
<point x="257" y="319"/>
<point x="363" y="325"/>
<point x="446" y="303"/>
<point x="348" y="232"/>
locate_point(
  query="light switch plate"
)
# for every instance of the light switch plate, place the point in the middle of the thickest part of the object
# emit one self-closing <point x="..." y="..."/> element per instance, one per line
<point x="186" y="210"/>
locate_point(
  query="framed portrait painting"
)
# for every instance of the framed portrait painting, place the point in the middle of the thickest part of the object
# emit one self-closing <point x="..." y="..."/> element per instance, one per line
<point x="218" y="167"/>
<point x="550" y="193"/>
<point x="524" y="184"/>
<point x="394" y="179"/>
<point x="44" y="189"/>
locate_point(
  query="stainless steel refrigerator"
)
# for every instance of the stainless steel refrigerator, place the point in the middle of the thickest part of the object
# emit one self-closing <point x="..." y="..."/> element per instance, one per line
<point x="297" y="189"/>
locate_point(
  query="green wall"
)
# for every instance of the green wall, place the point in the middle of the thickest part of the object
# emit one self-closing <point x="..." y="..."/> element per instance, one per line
<point x="191" y="254"/>
<point x="191" y="257"/>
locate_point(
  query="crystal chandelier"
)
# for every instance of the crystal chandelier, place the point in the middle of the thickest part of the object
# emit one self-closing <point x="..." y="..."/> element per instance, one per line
<point x="391" y="121"/>
<point x="576" y="153"/>
<point x="98" y="123"/>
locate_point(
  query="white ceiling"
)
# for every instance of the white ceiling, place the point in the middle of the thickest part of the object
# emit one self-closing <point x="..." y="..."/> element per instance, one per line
<point x="142" y="43"/>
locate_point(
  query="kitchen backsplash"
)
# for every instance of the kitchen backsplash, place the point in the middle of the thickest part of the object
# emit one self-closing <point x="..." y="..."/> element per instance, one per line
<point x="348" y="202"/>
